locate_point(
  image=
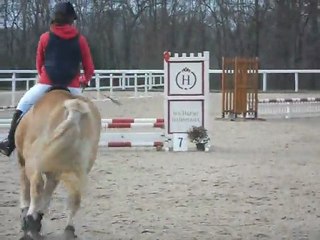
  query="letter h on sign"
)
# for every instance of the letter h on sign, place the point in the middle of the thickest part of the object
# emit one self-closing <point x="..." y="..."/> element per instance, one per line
<point x="185" y="78"/>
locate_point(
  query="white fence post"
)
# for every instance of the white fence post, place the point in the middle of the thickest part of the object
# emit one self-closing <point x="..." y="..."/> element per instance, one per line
<point x="135" y="85"/>
<point x="150" y="81"/>
<point x="13" y="90"/>
<point x="145" y="83"/>
<point x="97" y="79"/>
<point x="296" y="82"/>
<point x="111" y="84"/>
<point x="123" y="81"/>
<point x="288" y="110"/>
<point x="264" y="82"/>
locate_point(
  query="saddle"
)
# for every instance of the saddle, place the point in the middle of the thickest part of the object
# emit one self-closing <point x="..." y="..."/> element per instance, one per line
<point x="57" y="88"/>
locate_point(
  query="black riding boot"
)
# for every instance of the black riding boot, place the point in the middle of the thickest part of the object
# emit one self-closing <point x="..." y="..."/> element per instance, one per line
<point x="8" y="145"/>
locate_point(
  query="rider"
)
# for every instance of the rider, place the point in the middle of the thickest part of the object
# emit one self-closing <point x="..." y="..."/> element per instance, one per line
<point x="59" y="54"/>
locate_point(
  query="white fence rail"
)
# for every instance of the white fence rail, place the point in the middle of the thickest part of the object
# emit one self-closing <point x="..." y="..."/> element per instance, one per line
<point x="295" y="75"/>
<point x="289" y="109"/>
<point x="111" y="80"/>
<point x="133" y="80"/>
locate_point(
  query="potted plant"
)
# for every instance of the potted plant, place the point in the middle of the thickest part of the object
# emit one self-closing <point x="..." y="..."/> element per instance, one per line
<point x="199" y="136"/>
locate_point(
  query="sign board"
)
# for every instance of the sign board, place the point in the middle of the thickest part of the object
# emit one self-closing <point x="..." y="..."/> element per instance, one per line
<point x="180" y="142"/>
<point x="183" y="114"/>
<point x="186" y="92"/>
<point x="187" y="79"/>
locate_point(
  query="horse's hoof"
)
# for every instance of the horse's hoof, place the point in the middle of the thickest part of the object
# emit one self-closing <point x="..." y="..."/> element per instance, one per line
<point x="26" y="237"/>
<point x="69" y="232"/>
<point x="70" y="228"/>
<point x="36" y="236"/>
<point x="33" y="225"/>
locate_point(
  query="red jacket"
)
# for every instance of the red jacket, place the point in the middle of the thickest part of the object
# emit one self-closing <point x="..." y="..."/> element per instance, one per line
<point x="66" y="32"/>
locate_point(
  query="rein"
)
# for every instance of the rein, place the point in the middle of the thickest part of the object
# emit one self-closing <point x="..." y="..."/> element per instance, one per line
<point x="83" y="87"/>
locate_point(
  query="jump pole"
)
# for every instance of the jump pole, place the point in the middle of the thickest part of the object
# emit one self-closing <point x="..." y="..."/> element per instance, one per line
<point x="122" y="139"/>
<point x="115" y="120"/>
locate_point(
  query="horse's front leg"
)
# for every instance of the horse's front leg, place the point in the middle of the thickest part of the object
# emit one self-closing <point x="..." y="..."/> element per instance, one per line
<point x="24" y="197"/>
<point x="74" y="185"/>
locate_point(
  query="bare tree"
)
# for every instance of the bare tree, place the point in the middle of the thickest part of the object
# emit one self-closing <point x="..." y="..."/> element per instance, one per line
<point x="134" y="33"/>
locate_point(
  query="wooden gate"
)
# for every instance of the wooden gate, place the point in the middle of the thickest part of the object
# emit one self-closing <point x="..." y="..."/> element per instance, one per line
<point x="240" y="87"/>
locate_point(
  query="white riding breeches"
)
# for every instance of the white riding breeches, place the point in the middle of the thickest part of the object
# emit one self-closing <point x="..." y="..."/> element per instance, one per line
<point x="35" y="93"/>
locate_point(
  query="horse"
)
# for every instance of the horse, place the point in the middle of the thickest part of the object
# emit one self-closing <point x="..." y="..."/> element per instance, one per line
<point x="56" y="141"/>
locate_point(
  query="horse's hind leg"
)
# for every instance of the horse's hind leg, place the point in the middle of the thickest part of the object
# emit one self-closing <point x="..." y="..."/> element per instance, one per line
<point x="24" y="197"/>
<point x="34" y="217"/>
<point x="74" y="186"/>
<point x="25" y="189"/>
<point x="32" y="225"/>
<point x="52" y="182"/>
<point x="36" y="190"/>
<point x="24" y="193"/>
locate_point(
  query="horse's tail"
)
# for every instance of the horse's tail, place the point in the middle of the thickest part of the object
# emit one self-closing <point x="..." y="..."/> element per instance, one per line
<point x="75" y="108"/>
<point x="64" y="136"/>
